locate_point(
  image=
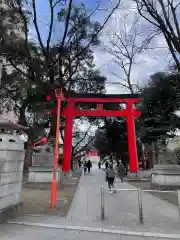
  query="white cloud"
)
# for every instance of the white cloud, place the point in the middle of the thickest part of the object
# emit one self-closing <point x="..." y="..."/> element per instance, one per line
<point x="115" y="89"/>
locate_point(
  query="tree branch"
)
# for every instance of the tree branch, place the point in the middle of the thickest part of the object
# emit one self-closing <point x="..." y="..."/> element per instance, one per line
<point x="37" y="28"/>
<point x="82" y="139"/>
<point x="51" y="24"/>
<point x="97" y="33"/>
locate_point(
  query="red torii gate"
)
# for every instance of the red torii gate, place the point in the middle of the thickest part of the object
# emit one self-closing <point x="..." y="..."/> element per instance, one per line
<point x="130" y="112"/>
<point x="72" y="110"/>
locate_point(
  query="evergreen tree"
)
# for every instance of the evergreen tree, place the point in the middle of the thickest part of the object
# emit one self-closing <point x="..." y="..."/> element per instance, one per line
<point x="112" y="139"/>
<point x="160" y="101"/>
<point x="38" y="67"/>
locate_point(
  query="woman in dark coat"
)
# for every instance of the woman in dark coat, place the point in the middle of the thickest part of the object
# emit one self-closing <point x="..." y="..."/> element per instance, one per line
<point x="89" y="166"/>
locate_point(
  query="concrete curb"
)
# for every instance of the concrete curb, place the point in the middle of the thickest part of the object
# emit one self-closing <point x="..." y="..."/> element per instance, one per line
<point x="99" y="230"/>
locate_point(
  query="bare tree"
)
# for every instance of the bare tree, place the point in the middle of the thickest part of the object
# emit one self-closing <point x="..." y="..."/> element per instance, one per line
<point x="164" y="16"/>
<point x="82" y="140"/>
<point x="125" y="46"/>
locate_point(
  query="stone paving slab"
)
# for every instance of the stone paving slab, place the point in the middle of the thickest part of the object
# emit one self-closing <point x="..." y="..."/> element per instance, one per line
<point x="121" y="209"/>
<point x="36" y="233"/>
<point x="61" y="222"/>
<point x="97" y="230"/>
<point x="83" y="221"/>
<point x="22" y="232"/>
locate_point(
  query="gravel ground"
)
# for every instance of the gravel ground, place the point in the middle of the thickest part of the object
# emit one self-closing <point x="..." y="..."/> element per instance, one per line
<point x="37" y="201"/>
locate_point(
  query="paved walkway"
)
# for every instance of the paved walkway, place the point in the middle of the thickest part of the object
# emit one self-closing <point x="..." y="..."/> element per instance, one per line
<point x="121" y="209"/>
<point x="17" y="232"/>
<point x="161" y="219"/>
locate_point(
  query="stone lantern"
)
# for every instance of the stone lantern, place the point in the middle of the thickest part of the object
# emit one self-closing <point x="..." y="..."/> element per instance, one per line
<point x="41" y="170"/>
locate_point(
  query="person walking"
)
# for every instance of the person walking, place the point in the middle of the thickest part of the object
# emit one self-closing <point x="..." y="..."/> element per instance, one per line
<point x="89" y="166"/>
<point x="79" y="162"/>
<point x="99" y="165"/>
<point x="121" y="171"/>
<point x="110" y="177"/>
<point x="85" y="166"/>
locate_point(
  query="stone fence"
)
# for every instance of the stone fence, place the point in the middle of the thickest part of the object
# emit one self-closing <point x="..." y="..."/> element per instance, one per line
<point x="11" y="170"/>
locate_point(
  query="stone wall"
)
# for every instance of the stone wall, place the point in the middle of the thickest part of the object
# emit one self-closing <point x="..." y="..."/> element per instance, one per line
<point x="11" y="170"/>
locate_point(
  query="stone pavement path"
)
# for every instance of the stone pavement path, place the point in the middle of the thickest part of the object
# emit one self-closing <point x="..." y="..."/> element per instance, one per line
<point x="16" y="232"/>
<point x="121" y="209"/>
<point x="83" y="221"/>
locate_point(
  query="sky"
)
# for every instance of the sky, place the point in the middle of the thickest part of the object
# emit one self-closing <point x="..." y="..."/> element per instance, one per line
<point x="155" y="59"/>
<point x="150" y="61"/>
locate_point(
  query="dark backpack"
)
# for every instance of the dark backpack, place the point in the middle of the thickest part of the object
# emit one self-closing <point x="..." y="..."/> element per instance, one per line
<point x="110" y="173"/>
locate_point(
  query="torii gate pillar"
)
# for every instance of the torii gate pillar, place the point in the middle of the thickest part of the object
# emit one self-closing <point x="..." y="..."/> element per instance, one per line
<point x="132" y="148"/>
<point x="68" y="135"/>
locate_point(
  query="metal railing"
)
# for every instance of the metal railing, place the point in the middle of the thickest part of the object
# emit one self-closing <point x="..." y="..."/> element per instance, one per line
<point x="140" y="200"/>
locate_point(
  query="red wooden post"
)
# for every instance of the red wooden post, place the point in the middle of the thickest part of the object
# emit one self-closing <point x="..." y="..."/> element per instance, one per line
<point x="133" y="159"/>
<point x="56" y="150"/>
<point x="68" y="135"/>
